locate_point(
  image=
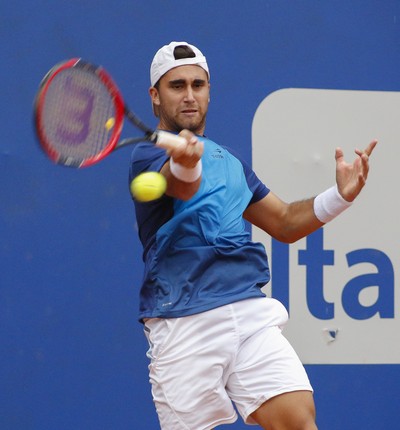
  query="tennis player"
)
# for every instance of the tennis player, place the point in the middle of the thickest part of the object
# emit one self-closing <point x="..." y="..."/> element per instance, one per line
<point x="215" y="338"/>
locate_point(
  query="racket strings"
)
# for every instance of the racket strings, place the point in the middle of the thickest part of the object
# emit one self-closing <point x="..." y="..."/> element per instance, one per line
<point x="78" y="115"/>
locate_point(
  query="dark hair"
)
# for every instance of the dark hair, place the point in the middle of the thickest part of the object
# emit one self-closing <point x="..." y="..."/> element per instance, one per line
<point x="183" y="51"/>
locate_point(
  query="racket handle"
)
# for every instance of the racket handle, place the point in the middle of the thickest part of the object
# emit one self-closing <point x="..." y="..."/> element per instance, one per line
<point x="168" y="140"/>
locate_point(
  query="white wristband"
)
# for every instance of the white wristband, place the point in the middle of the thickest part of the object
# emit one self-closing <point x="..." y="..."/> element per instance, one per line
<point x="329" y="204"/>
<point x="185" y="174"/>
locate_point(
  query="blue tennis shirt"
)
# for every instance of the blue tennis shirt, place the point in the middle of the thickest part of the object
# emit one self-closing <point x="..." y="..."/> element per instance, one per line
<point x="197" y="253"/>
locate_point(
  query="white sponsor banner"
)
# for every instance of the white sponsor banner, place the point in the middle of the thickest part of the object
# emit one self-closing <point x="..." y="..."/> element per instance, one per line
<point x="340" y="283"/>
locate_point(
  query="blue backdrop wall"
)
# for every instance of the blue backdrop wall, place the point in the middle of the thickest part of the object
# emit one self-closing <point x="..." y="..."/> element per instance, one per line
<point x="72" y="354"/>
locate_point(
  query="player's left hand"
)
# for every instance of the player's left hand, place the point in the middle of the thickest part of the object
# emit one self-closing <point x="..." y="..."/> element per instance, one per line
<point x="351" y="178"/>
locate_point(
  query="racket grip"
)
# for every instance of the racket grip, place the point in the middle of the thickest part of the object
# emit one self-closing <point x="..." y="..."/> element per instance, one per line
<point x="168" y="140"/>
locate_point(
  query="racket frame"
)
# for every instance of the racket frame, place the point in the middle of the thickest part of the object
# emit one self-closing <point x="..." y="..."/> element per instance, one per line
<point x="39" y="104"/>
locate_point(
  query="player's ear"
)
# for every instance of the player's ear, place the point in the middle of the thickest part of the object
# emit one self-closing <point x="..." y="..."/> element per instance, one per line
<point x="155" y="100"/>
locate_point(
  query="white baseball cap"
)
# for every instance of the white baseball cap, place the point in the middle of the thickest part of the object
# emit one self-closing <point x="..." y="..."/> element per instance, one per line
<point x="173" y="55"/>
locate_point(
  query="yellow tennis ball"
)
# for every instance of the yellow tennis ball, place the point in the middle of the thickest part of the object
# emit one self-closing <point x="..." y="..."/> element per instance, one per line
<point x="148" y="186"/>
<point x="109" y="123"/>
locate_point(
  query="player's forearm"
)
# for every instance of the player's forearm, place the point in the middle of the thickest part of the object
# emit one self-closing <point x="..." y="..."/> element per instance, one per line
<point x="300" y="221"/>
<point x="286" y="222"/>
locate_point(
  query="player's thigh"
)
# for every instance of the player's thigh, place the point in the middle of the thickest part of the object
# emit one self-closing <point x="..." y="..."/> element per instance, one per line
<point x="266" y="365"/>
<point x="295" y="410"/>
<point x="188" y="370"/>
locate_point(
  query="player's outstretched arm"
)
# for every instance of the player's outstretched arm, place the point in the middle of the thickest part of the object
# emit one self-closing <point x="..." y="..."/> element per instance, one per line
<point x="289" y="222"/>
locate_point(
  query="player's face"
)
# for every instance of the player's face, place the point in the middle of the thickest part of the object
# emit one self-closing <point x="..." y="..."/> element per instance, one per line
<point x="182" y="99"/>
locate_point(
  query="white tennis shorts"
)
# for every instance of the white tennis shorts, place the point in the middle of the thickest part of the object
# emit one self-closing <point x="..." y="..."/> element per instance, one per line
<point x="202" y="363"/>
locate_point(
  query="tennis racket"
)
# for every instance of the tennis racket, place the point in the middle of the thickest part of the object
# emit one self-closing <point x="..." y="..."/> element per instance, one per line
<point x="79" y="114"/>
